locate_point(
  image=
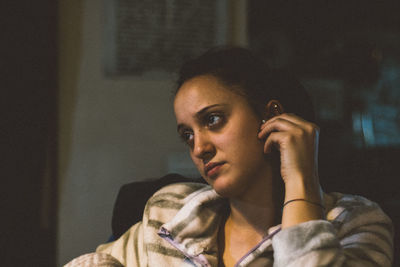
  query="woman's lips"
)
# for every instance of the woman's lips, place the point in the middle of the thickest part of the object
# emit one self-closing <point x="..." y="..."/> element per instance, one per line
<point x="212" y="168"/>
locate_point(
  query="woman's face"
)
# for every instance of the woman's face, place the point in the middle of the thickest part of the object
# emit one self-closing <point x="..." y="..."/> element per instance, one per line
<point x="221" y="129"/>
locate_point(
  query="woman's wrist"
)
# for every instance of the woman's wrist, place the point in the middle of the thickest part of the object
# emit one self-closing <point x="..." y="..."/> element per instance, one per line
<point x="304" y="202"/>
<point x="297" y="212"/>
<point x="303" y="189"/>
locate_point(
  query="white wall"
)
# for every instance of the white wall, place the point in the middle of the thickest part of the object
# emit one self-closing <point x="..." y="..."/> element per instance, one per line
<point x="111" y="131"/>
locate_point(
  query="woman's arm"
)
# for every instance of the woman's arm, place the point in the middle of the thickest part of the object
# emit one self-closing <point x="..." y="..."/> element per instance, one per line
<point x="128" y="249"/>
<point x="297" y="142"/>
<point x="360" y="236"/>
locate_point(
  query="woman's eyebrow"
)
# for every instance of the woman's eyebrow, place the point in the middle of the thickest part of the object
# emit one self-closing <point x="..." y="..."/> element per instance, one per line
<point x="204" y="110"/>
<point x="199" y="114"/>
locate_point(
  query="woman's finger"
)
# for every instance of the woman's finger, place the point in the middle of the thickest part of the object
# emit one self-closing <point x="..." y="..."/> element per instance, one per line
<point x="293" y="118"/>
<point x="274" y="140"/>
<point x="288" y="122"/>
<point x="288" y="117"/>
<point x="277" y="125"/>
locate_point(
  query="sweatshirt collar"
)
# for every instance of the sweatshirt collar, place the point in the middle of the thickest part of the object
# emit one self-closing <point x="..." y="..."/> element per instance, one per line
<point x="194" y="229"/>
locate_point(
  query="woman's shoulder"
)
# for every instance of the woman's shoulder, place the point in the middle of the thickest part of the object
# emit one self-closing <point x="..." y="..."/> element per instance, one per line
<point x="179" y="190"/>
<point x="349" y="211"/>
<point x="348" y="201"/>
<point x="171" y="198"/>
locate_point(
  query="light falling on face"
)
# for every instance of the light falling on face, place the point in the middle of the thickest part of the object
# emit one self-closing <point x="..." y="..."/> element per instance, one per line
<point x="220" y="129"/>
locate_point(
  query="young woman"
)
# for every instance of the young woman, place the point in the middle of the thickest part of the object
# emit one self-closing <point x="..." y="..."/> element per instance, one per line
<point x="250" y="133"/>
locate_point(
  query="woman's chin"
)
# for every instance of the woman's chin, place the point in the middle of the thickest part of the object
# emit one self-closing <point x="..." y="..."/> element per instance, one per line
<point x="226" y="187"/>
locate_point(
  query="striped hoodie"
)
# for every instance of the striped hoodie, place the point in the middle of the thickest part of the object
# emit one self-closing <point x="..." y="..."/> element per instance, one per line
<point x="180" y="228"/>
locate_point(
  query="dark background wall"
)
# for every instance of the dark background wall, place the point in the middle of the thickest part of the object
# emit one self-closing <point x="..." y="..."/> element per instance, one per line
<point x="353" y="48"/>
<point x="28" y="73"/>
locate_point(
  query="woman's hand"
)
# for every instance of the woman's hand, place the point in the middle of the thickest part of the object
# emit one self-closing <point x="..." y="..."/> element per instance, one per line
<point x="297" y="142"/>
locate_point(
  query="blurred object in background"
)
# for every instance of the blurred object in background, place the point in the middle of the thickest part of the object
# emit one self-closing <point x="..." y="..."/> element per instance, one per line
<point x="378" y="124"/>
<point x="155" y="37"/>
<point x="328" y="98"/>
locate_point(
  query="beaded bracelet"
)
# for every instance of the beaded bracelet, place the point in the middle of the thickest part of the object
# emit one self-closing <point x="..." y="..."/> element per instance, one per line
<point x="302" y="199"/>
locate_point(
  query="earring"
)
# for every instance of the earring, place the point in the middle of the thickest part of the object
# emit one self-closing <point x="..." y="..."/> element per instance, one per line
<point x="263" y="121"/>
<point x="276" y="109"/>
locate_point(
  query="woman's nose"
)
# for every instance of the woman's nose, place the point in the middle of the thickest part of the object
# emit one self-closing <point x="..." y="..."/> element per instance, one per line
<point x="203" y="147"/>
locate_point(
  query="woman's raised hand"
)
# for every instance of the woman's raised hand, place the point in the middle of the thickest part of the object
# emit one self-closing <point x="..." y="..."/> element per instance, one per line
<point x="297" y="142"/>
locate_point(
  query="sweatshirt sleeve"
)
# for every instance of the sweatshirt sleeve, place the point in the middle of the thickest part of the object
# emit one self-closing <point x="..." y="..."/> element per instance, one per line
<point x="361" y="235"/>
<point x="128" y="249"/>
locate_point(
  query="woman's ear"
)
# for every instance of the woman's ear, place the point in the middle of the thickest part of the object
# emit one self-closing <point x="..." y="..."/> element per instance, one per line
<point x="273" y="108"/>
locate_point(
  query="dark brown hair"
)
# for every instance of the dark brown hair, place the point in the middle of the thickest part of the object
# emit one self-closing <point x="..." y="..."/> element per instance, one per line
<point x="244" y="73"/>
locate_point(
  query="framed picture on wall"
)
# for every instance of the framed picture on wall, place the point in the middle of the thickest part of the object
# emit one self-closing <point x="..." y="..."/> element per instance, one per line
<point x="152" y="38"/>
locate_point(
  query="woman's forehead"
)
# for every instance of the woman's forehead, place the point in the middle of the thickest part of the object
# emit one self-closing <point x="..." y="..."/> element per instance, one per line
<point x="202" y="91"/>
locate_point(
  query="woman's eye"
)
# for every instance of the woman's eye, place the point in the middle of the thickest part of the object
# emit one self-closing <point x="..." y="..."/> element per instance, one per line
<point x="214" y="120"/>
<point x="187" y="137"/>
